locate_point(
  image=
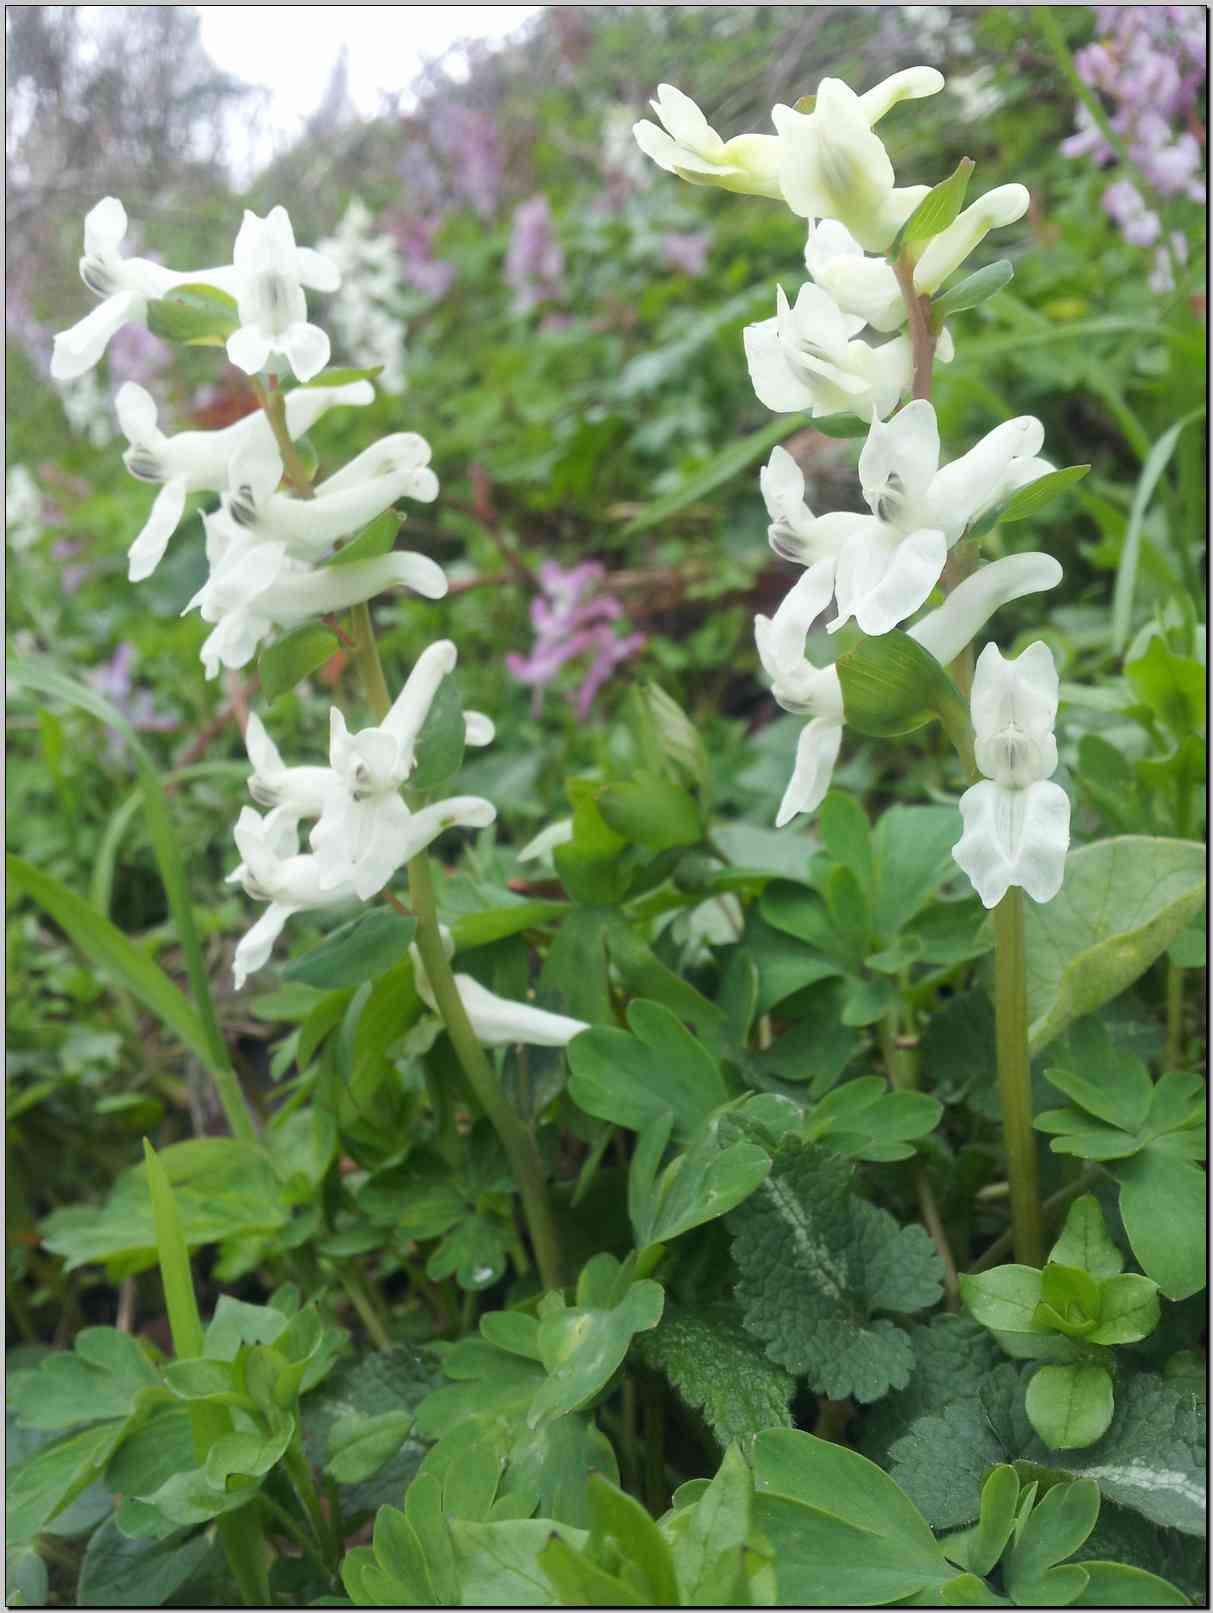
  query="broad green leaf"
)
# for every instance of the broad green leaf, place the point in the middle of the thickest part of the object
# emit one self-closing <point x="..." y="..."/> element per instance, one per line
<point x="617" y="1515"/>
<point x="472" y="930"/>
<point x="46" y="1482"/>
<point x="1055" y="1529"/>
<point x="862" y="1119"/>
<point x="843" y="826"/>
<point x="98" y="1379"/>
<point x="912" y="847"/>
<point x="223" y="1188"/>
<point x="701" y="1533"/>
<point x="999" y="1496"/>
<point x="374" y="540"/>
<point x="1174" y="687"/>
<point x="293" y="656"/>
<point x="106" y="946"/>
<point x="1085" y="1242"/>
<point x="1122" y="903"/>
<point x="578" y="1582"/>
<point x="499" y="1563"/>
<point x="582" y="1346"/>
<point x="1070" y="1406"/>
<point x="1102" y="1078"/>
<point x="1119" y="1585"/>
<point x="360" y="1445"/>
<point x="972" y="291"/>
<point x="356" y="951"/>
<point x="650" y="811"/>
<point x="633" y="1079"/>
<point x="677" y="736"/>
<point x="1163" y="1201"/>
<point x="195" y="314"/>
<point x="117" y="1572"/>
<point x="1128" y="1310"/>
<point x="892" y="686"/>
<point x="705" y="1182"/>
<point x="835" y="1519"/>
<point x="1004" y="1299"/>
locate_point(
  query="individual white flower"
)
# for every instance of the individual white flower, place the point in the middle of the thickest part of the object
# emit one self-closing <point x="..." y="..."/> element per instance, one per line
<point x="22" y="508"/>
<point x="365" y="832"/>
<point x="889" y="566"/>
<point x="867" y="286"/>
<point x="801" y="687"/>
<point x="392" y="468"/>
<point x="256" y="586"/>
<point x="831" y="165"/>
<point x="271" y="871"/>
<point x="689" y="147"/>
<point x="199" y="461"/>
<point x="806" y="358"/>
<point x="497" y="1021"/>
<point x="125" y="285"/>
<point x="1016" y="822"/>
<point x="795" y="533"/>
<point x="271" y="274"/>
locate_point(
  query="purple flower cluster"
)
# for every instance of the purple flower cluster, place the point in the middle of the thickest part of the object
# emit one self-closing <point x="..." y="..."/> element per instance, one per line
<point x="113" y="680"/>
<point x="686" y="252"/>
<point x="567" y="623"/>
<point x="414" y="237"/>
<point x="1149" y="64"/>
<point x="534" y="260"/>
<point x="469" y="141"/>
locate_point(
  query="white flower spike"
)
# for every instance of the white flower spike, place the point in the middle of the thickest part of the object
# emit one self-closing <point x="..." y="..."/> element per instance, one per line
<point x="831" y="165"/>
<point x="125" y="285"/>
<point x="496" y="1021"/>
<point x="1016" y="822"/>
<point x="274" y="872"/>
<point x="889" y="566"/>
<point x="199" y="461"/>
<point x="689" y="147"/>
<point x="271" y="274"/>
<point x="806" y="358"/>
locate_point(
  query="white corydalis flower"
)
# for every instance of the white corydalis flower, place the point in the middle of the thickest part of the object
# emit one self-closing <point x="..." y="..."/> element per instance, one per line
<point x="125" y="286"/>
<point x="200" y="461"/>
<point x="272" y="870"/>
<point x="271" y="272"/>
<point x="890" y="564"/>
<point x="395" y="467"/>
<point x="867" y="287"/>
<point x="688" y="146"/>
<point x="831" y="165"/>
<point x="807" y="358"/>
<point x="795" y="533"/>
<point x="256" y="586"/>
<point x="800" y="687"/>
<point x="366" y="832"/>
<point x="1016" y="822"/>
<point x="804" y="689"/>
<point x="497" y="1021"/>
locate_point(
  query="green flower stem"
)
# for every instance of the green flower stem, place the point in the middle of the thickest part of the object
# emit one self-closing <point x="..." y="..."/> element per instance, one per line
<point x="274" y="404"/>
<point x="922" y="335"/>
<point x="1015" y="1079"/>
<point x="324" y="1528"/>
<point x="516" y="1138"/>
<point x="361" y="1297"/>
<point x="240" y="1532"/>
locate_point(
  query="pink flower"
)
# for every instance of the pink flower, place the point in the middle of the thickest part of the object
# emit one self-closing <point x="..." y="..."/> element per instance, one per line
<point x="534" y="260"/>
<point x="568" y="624"/>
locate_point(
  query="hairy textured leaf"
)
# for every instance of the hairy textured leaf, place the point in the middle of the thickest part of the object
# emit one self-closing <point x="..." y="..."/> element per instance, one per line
<point x="1122" y="903"/>
<point x="953" y="1357"/>
<point x="117" y="1572"/>
<point x="815" y="1264"/>
<point x="719" y="1369"/>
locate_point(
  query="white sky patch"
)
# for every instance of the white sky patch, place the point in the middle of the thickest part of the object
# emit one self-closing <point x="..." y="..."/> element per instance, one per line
<point x="292" y="50"/>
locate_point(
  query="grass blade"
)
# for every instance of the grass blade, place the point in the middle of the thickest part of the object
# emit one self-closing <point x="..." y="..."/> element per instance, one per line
<point x="1156" y="463"/>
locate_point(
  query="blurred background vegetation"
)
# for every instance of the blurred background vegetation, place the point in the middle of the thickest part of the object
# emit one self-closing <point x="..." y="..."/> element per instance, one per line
<point x="563" y="323"/>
